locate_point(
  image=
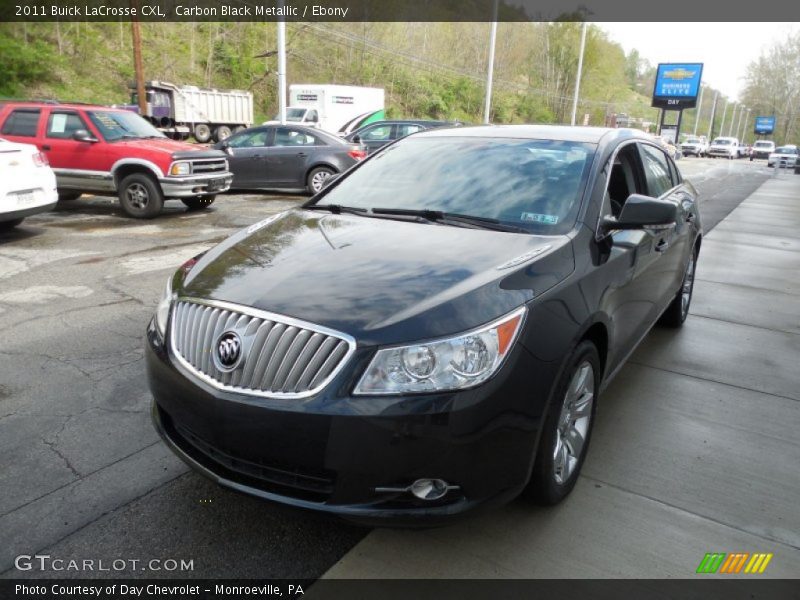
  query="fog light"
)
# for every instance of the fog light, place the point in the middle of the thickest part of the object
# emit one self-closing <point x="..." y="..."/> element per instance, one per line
<point x="429" y="489"/>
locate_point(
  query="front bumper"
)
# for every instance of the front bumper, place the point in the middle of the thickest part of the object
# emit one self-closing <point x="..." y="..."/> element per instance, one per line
<point x="330" y="453"/>
<point x="199" y="185"/>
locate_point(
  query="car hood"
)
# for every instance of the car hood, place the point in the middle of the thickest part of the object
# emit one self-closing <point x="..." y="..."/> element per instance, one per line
<point x="167" y="147"/>
<point x="379" y="280"/>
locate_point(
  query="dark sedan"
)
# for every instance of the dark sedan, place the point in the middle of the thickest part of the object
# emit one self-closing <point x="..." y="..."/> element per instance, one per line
<point x="430" y="333"/>
<point x="376" y="135"/>
<point x="287" y="157"/>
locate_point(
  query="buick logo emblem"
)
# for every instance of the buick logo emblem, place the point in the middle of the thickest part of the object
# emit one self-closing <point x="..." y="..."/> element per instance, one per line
<point x="228" y="351"/>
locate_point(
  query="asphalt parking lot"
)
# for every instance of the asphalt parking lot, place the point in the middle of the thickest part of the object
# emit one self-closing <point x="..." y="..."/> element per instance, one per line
<point x="84" y="475"/>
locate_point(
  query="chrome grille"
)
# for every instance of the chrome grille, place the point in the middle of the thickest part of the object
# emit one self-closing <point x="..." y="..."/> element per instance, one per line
<point x="214" y="165"/>
<point x="282" y="357"/>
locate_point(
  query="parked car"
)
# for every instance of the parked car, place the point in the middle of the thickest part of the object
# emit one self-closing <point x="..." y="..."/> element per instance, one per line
<point x="784" y="156"/>
<point x="762" y="149"/>
<point x="430" y="333"/>
<point x="27" y="183"/>
<point x="376" y="135"/>
<point x="694" y="146"/>
<point x="287" y="157"/>
<point x="724" y="147"/>
<point x="114" y="151"/>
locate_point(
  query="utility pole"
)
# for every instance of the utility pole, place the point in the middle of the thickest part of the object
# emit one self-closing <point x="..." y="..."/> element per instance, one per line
<point x="138" y="67"/>
<point x="739" y="124"/>
<point x="699" y="109"/>
<point x="487" y="105"/>
<point x="282" y="70"/>
<point x="578" y="76"/>
<point x="746" y="121"/>
<point x="713" y="114"/>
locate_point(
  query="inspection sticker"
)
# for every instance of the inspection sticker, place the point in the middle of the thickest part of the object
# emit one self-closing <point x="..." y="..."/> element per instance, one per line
<point x="537" y="218"/>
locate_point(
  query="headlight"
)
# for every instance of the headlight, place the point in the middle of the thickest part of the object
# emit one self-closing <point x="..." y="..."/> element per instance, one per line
<point x="180" y="168"/>
<point x="162" y="312"/>
<point x="453" y="363"/>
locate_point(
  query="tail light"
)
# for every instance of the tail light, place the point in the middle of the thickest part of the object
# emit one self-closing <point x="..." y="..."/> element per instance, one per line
<point x="357" y="154"/>
<point x="40" y="159"/>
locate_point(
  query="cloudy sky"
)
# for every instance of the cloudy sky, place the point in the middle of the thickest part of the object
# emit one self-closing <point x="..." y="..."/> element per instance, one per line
<point x="725" y="49"/>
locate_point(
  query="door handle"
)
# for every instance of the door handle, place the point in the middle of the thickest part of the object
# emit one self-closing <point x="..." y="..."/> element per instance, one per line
<point x="302" y="154"/>
<point x="46" y="147"/>
<point x="662" y="245"/>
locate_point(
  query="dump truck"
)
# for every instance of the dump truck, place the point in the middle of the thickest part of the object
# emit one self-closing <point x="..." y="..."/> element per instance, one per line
<point x="181" y="111"/>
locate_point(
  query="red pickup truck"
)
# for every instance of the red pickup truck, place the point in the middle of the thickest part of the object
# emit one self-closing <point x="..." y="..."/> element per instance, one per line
<point x="112" y="151"/>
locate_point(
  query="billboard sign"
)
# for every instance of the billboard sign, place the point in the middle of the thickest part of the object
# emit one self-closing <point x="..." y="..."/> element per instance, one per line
<point x="677" y="85"/>
<point x="764" y="125"/>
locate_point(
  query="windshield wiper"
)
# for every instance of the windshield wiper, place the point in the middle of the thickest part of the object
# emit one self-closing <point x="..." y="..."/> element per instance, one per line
<point x="336" y="209"/>
<point x="438" y="216"/>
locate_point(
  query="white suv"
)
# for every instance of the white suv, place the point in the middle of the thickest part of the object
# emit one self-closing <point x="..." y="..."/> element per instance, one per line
<point x="762" y="149"/>
<point x="27" y="183"/>
<point x="725" y="147"/>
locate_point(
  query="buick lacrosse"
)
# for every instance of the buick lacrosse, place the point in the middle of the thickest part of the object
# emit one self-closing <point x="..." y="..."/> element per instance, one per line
<point x="430" y="333"/>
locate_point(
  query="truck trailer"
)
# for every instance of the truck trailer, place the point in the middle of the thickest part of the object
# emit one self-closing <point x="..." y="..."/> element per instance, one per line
<point x="338" y="109"/>
<point x="206" y="114"/>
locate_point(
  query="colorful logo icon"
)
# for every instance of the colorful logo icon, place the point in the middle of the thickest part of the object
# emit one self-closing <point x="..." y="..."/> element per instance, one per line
<point x="734" y="563"/>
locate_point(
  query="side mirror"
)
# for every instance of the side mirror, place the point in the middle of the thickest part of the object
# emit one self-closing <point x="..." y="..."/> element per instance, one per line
<point x="81" y="135"/>
<point x="356" y="139"/>
<point x="641" y="211"/>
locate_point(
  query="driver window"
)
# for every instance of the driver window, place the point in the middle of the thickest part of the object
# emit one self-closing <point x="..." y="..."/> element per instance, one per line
<point x="249" y="139"/>
<point x="622" y="181"/>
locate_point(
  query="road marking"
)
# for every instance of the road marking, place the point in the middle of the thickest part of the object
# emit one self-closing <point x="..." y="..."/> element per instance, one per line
<point x="41" y="294"/>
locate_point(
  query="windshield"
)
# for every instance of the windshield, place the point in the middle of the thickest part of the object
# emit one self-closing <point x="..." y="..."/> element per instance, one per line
<point x="535" y="185"/>
<point x="786" y="150"/>
<point x="692" y="141"/>
<point x="721" y="142"/>
<point x="762" y="145"/>
<point x="116" y="125"/>
<point x="292" y="114"/>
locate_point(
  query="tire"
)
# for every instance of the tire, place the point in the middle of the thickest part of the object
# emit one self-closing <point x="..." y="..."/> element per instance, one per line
<point x="223" y="132"/>
<point x="316" y="178"/>
<point x="68" y="196"/>
<point x="140" y="196"/>
<point x="199" y="203"/>
<point x="8" y="225"/>
<point x="558" y="462"/>
<point x="202" y="133"/>
<point x="678" y="309"/>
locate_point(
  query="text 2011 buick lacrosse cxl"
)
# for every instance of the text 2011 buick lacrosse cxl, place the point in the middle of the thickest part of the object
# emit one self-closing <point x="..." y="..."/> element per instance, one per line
<point x="430" y="333"/>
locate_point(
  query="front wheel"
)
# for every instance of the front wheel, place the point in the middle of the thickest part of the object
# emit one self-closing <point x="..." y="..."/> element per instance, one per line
<point x="678" y="309"/>
<point x="567" y="428"/>
<point x="140" y="196"/>
<point x="317" y="177"/>
<point x="199" y="203"/>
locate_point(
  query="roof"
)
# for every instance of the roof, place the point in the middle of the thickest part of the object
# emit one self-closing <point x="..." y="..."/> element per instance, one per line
<point x="56" y="103"/>
<point x="565" y="133"/>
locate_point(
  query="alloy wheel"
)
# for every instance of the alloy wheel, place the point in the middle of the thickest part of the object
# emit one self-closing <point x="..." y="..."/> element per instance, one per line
<point x="138" y="197"/>
<point x="573" y="423"/>
<point x="319" y="179"/>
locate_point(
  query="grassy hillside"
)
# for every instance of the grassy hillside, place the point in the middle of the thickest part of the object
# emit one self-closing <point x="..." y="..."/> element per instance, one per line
<point x="433" y="70"/>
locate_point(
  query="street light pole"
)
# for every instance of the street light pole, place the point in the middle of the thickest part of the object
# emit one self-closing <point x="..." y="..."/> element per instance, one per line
<point x="722" y="125"/>
<point x="713" y="114"/>
<point x="487" y="106"/>
<point x="282" y="71"/>
<point x="733" y="120"/>
<point x="739" y="124"/>
<point x="747" y="120"/>
<point x="699" y="109"/>
<point x="578" y="76"/>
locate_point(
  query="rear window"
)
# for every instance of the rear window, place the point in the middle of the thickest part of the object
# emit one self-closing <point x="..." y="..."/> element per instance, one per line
<point x="22" y="122"/>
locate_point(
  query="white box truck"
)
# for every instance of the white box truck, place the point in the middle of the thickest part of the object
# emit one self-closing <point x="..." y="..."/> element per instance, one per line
<point x="335" y="108"/>
<point x="189" y="110"/>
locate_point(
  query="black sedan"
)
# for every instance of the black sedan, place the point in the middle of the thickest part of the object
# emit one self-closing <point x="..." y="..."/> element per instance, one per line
<point x="376" y="135"/>
<point x="430" y="333"/>
<point x="287" y="157"/>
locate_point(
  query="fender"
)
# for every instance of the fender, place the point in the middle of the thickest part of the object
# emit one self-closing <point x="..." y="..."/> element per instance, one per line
<point x="152" y="167"/>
